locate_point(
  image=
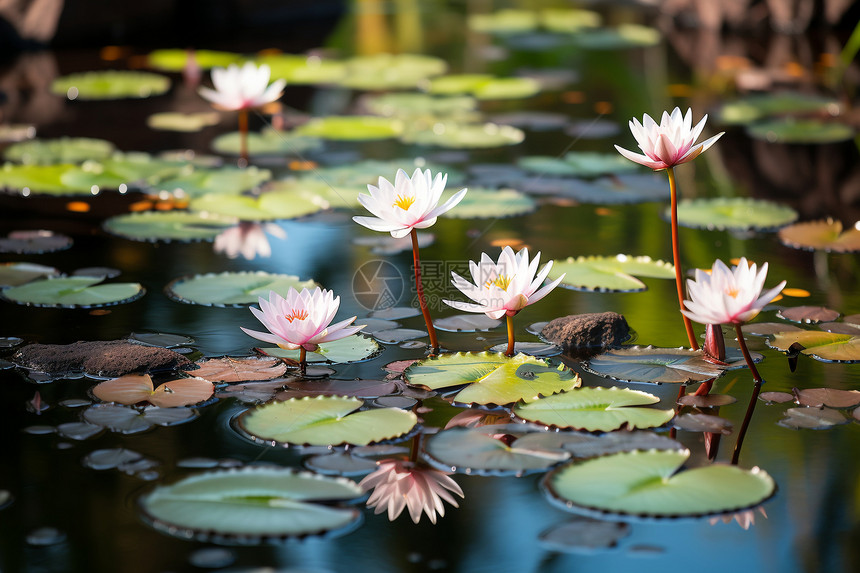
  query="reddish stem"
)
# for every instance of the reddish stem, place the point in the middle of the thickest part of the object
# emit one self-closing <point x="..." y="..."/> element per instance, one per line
<point x="753" y="399"/>
<point x="434" y="344"/>
<point x="676" y="256"/>
<point x="510" y="322"/>
<point x="303" y="365"/>
<point x="243" y="136"/>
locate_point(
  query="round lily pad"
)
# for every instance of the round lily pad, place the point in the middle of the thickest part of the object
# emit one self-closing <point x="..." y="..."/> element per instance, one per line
<point x="653" y="365"/>
<point x="30" y="179"/>
<point x="609" y="274"/>
<point x="324" y="421"/>
<point x="267" y="142"/>
<point x="182" y="122"/>
<point x="737" y="214"/>
<point x="758" y="106"/>
<point x="466" y="136"/>
<point x="391" y="71"/>
<point x="466" y="323"/>
<point x="578" y="164"/>
<point x="808" y="314"/>
<point x="232" y="289"/>
<point x="239" y="369"/>
<point x="226" y="180"/>
<point x="135" y="169"/>
<point x="418" y="105"/>
<point x="263" y="207"/>
<point x="790" y="130"/>
<point x="583" y="535"/>
<point x="133" y="388"/>
<point x="174" y="60"/>
<point x="14" y="274"/>
<point x="812" y="418"/>
<point x="62" y="150"/>
<point x="614" y="190"/>
<point x="300" y="69"/>
<point x="112" y="84"/>
<point x="614" y="487"/>
<point x="824" y="346"/>
<point x="825" y="235"/>
<point x="490" y="204"/>
<point x="155" y="226"/>
<point x="492" y="378"/>
<point x="567" y="20"/>
<point x="624" y="36"/>
<point x="505" y="21"/>
<point x="596" y="410"/>
<point x="353" y="348"/>
<point x="126" y="420"/>
<point x="351" y="128"/>
<point x="73" y="292"/>
<point x="251" y="505"/>
<point x="34" y="242"/>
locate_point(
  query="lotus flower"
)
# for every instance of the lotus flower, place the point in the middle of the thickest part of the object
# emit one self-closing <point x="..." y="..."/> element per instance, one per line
<point x="667" y="144"/>
<point x="397" y="484"/>
<point x="505" y="287"/>
<point x="728" y="295"/>
<point x="242" y="88"/>
<point x="301" y="320"/>
<point x="410" y="203"/>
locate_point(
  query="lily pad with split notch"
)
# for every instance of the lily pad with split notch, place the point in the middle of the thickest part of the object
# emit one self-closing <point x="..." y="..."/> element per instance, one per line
<point x="583" y="445"/>
<point x="339" y="464"/>
<point x="609" y="274"/>
<point x="73" y="292"/>
<point x="355" y="348"/>
<point x="776" y="397"/>
<point x="324" y="421"/>
<point x="583" y="535"/>
<point x="153" y="226"/>
<point x="251" y="392"/>
<point x="812" y="418"/>
<point x="830" y="397"/>
<point x="707" y="400"/>
<point x="126" y="420"/>
<point x="824" y="346"/>
<point x="233" y="369"/>
<point x="733" y="213"/>
<point x="648" y="364"/>
<point x="110" y="84"/>
<point x="695" y="422"/>
<point x="133" y="388"/>
<point x="251" y="505"/>
<point x="825" y="235"/>
<point x="808" y="314"/>
<point x="232" y="288"/>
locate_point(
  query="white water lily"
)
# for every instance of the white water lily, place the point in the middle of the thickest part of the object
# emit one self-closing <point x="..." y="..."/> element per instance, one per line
<point x="400" y="484"/>
<point x="242" y="88"/>
<point x="409" y="203"/>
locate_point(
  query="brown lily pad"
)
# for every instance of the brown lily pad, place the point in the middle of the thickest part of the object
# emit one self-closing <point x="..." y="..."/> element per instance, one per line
<point x="808" y="314"/>
<point x="703" y="423"/>
<point x="812" y="418"/>
<point x="776" y="397"/>
<point x="707" y="401"/>
<point x="133" y="388"/>
<point x="240" y="369"/>
<point x="825" y="235"/>
<point x="767" y="328"/>
<point x="831" y="397"/>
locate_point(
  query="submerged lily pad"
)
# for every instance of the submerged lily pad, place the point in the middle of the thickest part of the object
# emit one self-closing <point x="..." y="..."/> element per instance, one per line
<point x="824" y="346"/>
<point x="324" y="421"/>
<point x="825" y="235"/>
<point x="612" y="486"/>
<point x="466" y="136"/>
<point x="736" y="213"/>
<point x="251" y="505"/>
<point x="111" y="84"/>
<point x="14" y="274"/>
<point x="265" y="207"/>
<point x="791" y="130"/>
<point x="155" y="226"/>
<point x="609" y="274"/>
<point x="62" y="150"/>
<point x="653" y="365"/>
<point x="583" y="535"/>
<point x="232" y="289"/>
<point x="490" y="204"/>
<point x="73" y="292"/>
<point x="492" y="378"/>
<point x="353" y="348"/>
<point x="267" y="142"/>
<point x="351" y="128"/>
<point x="596" y="410"/>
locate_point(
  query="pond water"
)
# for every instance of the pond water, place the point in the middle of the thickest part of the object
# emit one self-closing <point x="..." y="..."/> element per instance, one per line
<point x="65" y="516"/>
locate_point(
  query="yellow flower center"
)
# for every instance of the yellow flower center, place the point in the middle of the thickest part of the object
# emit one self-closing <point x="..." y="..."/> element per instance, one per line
<point x="732" y="292"/>
<point x="404" y="201"/>
<point x="500" y="281"/>
<point x="296" y="315"/>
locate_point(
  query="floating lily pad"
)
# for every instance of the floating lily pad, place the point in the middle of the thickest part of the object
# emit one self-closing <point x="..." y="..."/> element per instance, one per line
<point x="615" y="486"/>
<point x="767" y="328"/>
<point x="172" y="60"/>
<point x="14" y="274"/>
<point x="826" y="235"/>
<point x="391" y="71"/>
<point x="339" y="464"/>
<point x="416" y="106"/>
<point x="110" y="458"/>
<point x="62" y="150"/>
<point x="73" y="292"/>
<point x="791" y="130"/>
<point x="582" y="445"/>
<point x="531" y="348"/>
<point x="583" y="535"/>
<point x="398" y="335"/>
<point x="126" y="420"/>
<point x="840" y="327"/>
<point x="504" y="21"/>
<point x="567" y="20"/>
<point x="155" y="226"/>
<point x="776" y="397"/>
<point x="239" y="369"/>
<point x="492" y="378"/>
<point x="112" y="84"/>
<point x="707" y="400"/>
<point x="182" y="122"/>
<point x="596" y="410"/>
<point x="324" y="421"/>
<point x="578" y="164"/>
<point x="252" y="392"/>
<point x="232" y="289"/>
<point x="812" y="418"/>
<point x="466" y="136"/>
<point x="353" y="348"/>
<point x="330" y="387"/>
<point x="251" y="505"/>
<point x="624" y="36"/>
<point x="351" y="128"/>
<point x="534" y="120"/>
<point x="28" y="179"/>
<point x="808" y="314"/>
<point x="653" y="365"/>
<point x="133" y="388"/>
<point x="830" y="397"/>
<point x="696" y="422"/>
<point x="473" y="451"/>
<point x="134" y="169"/>
<point x="490" y="204"/>
<point x="34" y="242"/>
<point x="484" y="86"/>
<point x="300" y="69"/>
<point x="758" y="106"/>
<point x="737" y="213"/>
<point x="225" y="180"/>
<point x="267" y="142"/>
<point x="615" y="190"/>
<point x="824" y="346"/>
<point x="466" y="323"/>
<point x="609" y="274"/>
<point x="264" y="207"/>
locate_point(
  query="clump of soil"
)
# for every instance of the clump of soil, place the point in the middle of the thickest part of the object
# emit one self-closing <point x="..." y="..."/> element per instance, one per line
<point x="596" y="329"/>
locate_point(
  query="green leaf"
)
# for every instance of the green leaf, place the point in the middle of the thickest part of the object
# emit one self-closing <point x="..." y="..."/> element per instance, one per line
<point x="484" y="86"/>
<point x="176" y="60"/>
<point x="134" y="169"/>
<point x="391" y="71"/>
<point x="168" y="226"/>
<point x="489" y="204"/>
<point x="504" y="21"/>
<point x="351" y="128"/>
<point x="325" y="421"/>
<point x="71" y="292"/>
<point x="569" y="20"/>
<point x="300" y="69"/>
<point x="265" y="207"/>
<point x="578" y="164"/>
<point x="617" y="189"/>
<point x="353" y="348"/>
<point x="596" y="410"/>
<point x="267" y="142"/>
<point x="653" y="365"/>
<point x="111" y="84"/>
<point x="38" y="179"/>
<point x="790" y="130"/>
<point x="825" y="235"/>
<point x="61" y="150"/>
<point x="824" y="346"/>
<point x="182" y="122"/>
<point x="492" y="378"/>
<point x="232" y="289"/>
<point x="226" y="180"/>
<point x="737" y="213"/>
<point x="250" y="505"/>
<point x="609" y="274"/>
<point x="466" y="136"/>
<point x="648" y="485"/>
<point x="415" y="106"/>
<point x="14" y="274"/>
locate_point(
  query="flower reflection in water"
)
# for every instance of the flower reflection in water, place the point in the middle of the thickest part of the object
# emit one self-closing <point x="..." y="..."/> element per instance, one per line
<point x="248" y="240"/>
<point x="744" y="518"/>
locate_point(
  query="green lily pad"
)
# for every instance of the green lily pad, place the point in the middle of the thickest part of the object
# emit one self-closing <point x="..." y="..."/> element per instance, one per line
<point x="14" y="274"/>
<point x="492" y="378"/>
<point x="824" y="346"/>
<point x="484" y="87"/>
<point x="609" y="274"/>
<point x="182" y="122"/>
<point x="265" y="207"/>
<point x="267" y="142"/>
<point x="474" y="452"/>
<point x="226" y="180"/>
<point x="578" y="164"/>
<point x="614" y="190"/>
<point x="38" y="179"/>
<point x="466" y="136"/>
<point x="736" y="214"/>
<point x="755" y="107"/>
<point x="135" y="170"/>
<point x="624" y="36"/>
<point x="318" y="191"/>
<point x="62" y="150"/>
<point x="355" y="348"/>
<point x="414" y="106"/>
<point x="351" y="128"/>
<point x="567" y="20"/>
<point x="232" y="289"/>
<point x="73" y="292"/>
<point x="490" y="204"/>
<point x="251" y="505"/>
<point x="324" y="421"/>
<point x="155" y="226"/>
<point x="175" y="60"/>
<point x="653" y="365"/>
<point x="596" y="410"/>
<point x="825" y="235"/>
<point x="648" y="485"/>
<point x="111" y="84"/>
<point x="391" y="71"/>
<point x="790" y="130"/>
<point x="303" y="70"/>
<point x="504" y="21"/>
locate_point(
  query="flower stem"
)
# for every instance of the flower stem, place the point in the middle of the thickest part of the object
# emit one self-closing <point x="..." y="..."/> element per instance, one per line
<point x="510" y="322"/>
<point x="303" y="364"/>
<point x="753" y="399"/>
<point x="243" y="136"/>
<point x="676" y="256"/>
<point x="419" y="287"/>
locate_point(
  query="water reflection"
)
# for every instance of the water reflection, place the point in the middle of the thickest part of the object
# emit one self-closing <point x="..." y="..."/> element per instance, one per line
<point x="248" y="240"/>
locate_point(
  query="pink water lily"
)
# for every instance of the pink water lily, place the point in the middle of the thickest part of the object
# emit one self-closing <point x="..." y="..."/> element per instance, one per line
<point x="242" y="88"/>
<point x="302" y="320"/>
<point x="409" y="203"/>
<point x="670" y="143"/>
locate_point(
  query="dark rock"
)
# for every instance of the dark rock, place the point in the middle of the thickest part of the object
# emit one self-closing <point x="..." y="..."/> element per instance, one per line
<point x="596" y="329"/>
<point x="109" y="358"/>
